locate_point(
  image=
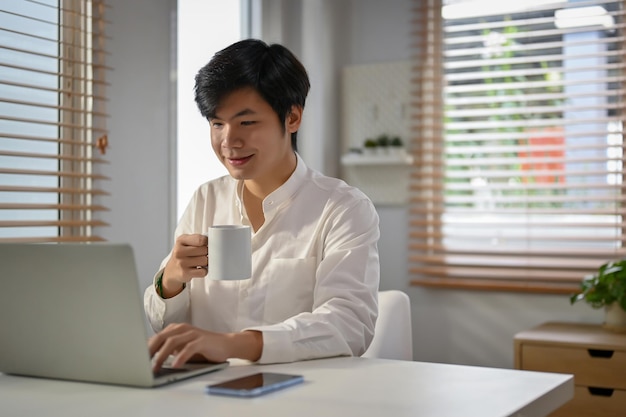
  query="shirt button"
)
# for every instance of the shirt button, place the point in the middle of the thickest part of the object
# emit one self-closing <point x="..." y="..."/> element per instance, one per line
<point x="244" y="293"/>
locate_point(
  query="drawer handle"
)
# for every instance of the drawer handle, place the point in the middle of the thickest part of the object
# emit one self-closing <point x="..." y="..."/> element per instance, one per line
<point x="601" y="392"/>
<point x="600" y="353"/>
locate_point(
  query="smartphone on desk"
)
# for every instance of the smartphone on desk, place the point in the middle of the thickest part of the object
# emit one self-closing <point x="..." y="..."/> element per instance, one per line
<point x="255" y="384"/>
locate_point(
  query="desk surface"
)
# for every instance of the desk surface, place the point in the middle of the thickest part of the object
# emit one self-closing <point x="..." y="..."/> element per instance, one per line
<point x="333" y="387"/>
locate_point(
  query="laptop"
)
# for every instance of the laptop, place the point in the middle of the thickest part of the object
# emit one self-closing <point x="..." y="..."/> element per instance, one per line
<point x="74" y="311"/>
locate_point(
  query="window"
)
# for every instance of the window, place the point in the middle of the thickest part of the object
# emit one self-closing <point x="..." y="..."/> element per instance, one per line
<point x="52" y="119"/>
<point x="196" y="44"/>
<point x="519" y="143"/>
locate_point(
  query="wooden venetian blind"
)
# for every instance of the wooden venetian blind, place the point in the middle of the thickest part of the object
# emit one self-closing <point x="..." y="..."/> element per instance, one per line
<point x="519" y="115"/>
<point x="52" y="119"/>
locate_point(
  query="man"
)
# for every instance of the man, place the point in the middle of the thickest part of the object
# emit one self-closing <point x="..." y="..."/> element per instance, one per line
<point x="315" y="268"/>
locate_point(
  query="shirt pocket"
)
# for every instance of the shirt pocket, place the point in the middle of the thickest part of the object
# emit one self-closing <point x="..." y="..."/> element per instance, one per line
<point x="290" y="286"/>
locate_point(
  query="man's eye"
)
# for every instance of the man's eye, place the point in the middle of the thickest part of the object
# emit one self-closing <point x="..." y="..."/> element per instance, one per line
<point x="248" y="122"/>
<point x="216" y="124"/>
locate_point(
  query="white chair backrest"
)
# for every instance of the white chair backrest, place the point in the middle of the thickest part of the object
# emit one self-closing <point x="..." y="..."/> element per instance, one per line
<point x="393" y="336"/>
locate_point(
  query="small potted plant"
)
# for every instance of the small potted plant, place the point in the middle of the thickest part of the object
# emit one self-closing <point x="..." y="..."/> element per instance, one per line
<point x="383" y="140"/>
<point x="370" y="146"/>
<point x="382" y="143"/>
<point x="606" y="289"/>
<point x="396" y="146"/>
<point x="396" y="142"/>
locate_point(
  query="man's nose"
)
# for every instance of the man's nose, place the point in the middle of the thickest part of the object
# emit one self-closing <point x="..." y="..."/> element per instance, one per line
<point x="231" y="137"/>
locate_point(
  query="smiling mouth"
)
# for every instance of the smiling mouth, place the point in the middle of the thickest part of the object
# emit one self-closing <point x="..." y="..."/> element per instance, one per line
<point x="239" y="161"/>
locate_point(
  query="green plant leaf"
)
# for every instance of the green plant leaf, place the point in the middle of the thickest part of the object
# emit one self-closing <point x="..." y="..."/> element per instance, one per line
<point x="605" y="287"/>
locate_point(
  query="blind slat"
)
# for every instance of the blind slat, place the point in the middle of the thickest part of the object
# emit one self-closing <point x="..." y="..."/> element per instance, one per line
<point x="521" y="85"/>
<point x="423" y="207"/>
<point x="50" y="156"/>
<point x="527" y="263"/>
<point x="530" y="111"/>
<point x="522" y="146"/>
<point x="55" y="190"/>
<point x="529" y="124"/>
<point x="70" y="207"/>
<point x="54" y="90"/>
<point x="55" y="107"/>
<point x="530" y="34"/>
<point x="517" y="240"/>
<point x="57" y="239"/>
<point x="52" y="40"/>
<point x="527" y="275"/>
<point x="60" y="223"/>
<point x="529" y="98"/>
<point x="61" y="59"/>
<point x="534" y="46"/>
<point x="506" y="174"/>
<point x="542" y="287"/>
<point x="486" y="136"/>
<point x="529" y="187"/>
<point x="52" y="123"/>
<point x="65" y="140"/>
<point x="477" y="222"/>
<point x="74" y="77"/>
<point x="588" y="252"/>
<point x="70" y="174"/>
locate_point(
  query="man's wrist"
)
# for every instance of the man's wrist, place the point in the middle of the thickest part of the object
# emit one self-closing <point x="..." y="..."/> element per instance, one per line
<point x="247" y="345"/>
<point x="162" y="292"/>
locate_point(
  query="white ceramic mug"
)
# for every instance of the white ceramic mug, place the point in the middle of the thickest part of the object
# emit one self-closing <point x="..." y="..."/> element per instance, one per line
<point x="230" y="252"/>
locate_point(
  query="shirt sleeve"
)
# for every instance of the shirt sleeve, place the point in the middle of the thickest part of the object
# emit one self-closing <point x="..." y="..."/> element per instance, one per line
<point x="163" y="311"/>
<point x="160" y="311"/>
<point x="345" y="301"/>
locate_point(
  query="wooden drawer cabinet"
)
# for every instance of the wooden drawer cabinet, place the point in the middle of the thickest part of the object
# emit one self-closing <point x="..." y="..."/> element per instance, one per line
<point x="588" y="404"/>
<point x="595" y="356"/>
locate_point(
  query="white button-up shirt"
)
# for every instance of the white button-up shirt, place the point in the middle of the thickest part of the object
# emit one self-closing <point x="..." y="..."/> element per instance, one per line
<point x="315" y="269"/>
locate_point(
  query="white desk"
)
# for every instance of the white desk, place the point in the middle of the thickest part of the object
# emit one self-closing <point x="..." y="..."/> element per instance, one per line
<point x="333" y="387"/>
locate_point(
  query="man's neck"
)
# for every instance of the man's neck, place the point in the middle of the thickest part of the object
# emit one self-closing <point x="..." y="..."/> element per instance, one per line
<point x="262" y="187"/>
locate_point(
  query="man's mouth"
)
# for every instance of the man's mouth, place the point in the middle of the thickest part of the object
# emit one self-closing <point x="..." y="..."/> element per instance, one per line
<point x="239" y="161"/>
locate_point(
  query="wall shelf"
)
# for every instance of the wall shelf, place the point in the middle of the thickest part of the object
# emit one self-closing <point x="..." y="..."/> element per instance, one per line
<point x="375" y="101"/>
<point x="380" y="159"/>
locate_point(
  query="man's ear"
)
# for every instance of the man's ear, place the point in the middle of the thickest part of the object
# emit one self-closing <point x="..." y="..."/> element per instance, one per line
<point x="293" y="119"/>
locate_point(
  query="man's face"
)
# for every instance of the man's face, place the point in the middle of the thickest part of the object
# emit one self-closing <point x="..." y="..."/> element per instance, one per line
<point x="250" y="141"/>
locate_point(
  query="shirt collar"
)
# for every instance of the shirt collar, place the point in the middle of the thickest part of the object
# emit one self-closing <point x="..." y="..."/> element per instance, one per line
<point x="283" y="193"/>
<point x="288" y="189"/>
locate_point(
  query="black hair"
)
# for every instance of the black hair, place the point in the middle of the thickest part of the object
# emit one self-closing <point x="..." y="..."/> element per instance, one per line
<point x="272" y="70"/>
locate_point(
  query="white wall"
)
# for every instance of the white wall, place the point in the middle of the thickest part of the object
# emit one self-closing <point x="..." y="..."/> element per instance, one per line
<point x="464" y="327"/>
<point x="141" y="130"/>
